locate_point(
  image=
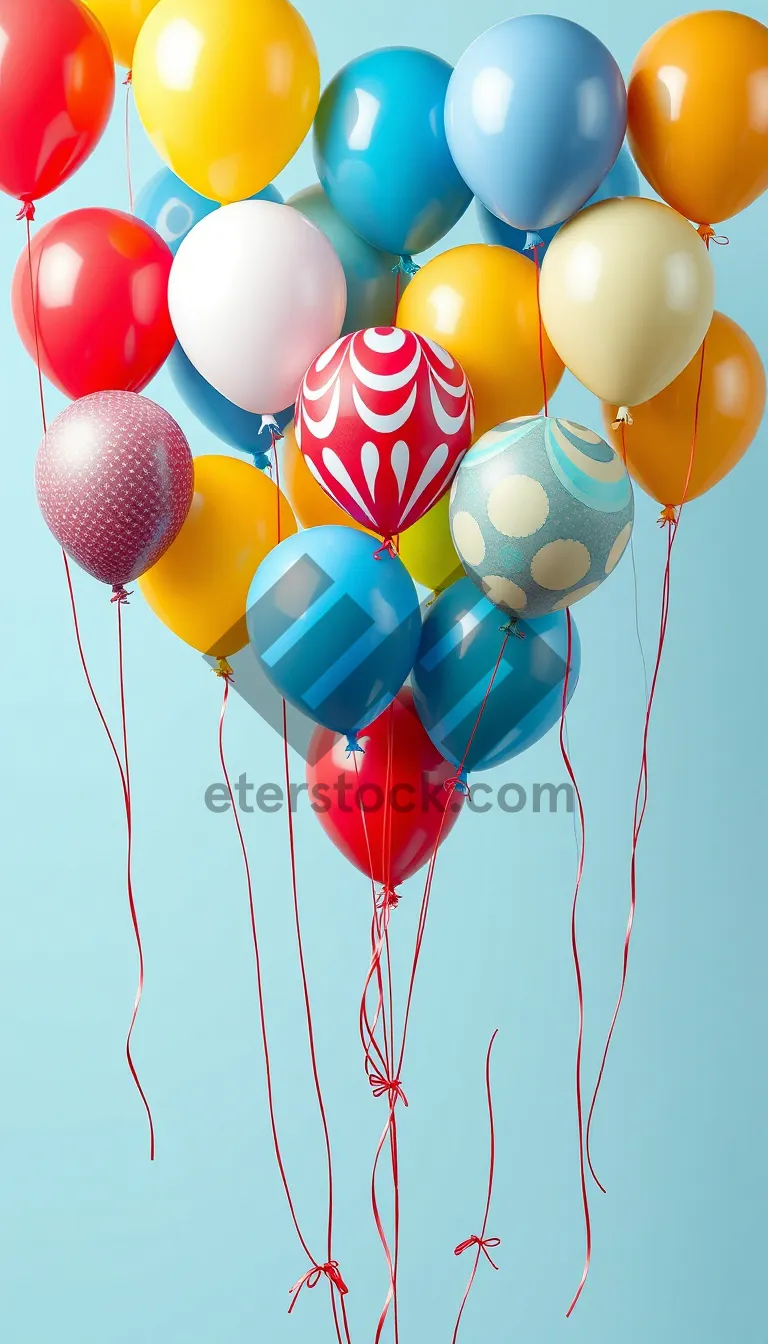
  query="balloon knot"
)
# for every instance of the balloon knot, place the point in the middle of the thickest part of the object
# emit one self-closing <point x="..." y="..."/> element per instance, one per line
<point x="223" y="669"/>
<point x="623" y="417"/>
<point x="27" y="210"/>
<point x="532" y="240"/>
<point x="262" y="461"/>
<point x="119" y="593"/>
<point x="382" y="1086"/>
<point x="668" y="515"/>
<point x="129" y="77"/>
<point x="387" y="547"/>
<point x="313" y="1277"/>
<point x="406" y="265"/>
<point x="484" y="1244"/>
<point x="512" y="628"/>
<point x="708" y="235"/>
<point x="458" y="783"/>
<point x="269" y="422"/>
<point x="388" y="899"/>
<point x="353" y="745"/>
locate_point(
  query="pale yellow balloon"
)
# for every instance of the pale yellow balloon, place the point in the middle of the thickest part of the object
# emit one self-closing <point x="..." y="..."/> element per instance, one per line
<point x="121" y="20"/>
<point x="627" y="294"/>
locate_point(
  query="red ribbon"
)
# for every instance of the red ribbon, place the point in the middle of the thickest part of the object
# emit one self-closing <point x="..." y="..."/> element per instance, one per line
<point x="391" y="1087"/>
<point x="313" y="1276"/>
<point x="119" y="594"/>
<point x="27" y="211"/>
<point x="484" y="1245"/>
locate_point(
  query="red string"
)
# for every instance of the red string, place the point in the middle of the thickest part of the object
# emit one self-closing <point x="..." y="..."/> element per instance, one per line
<point x="128" y="82"/>
<point x="119" y="598"/>
<point x="27" y="213"/>
<point x="577" y="965"/>
<point x="483" y="1244"/>
<point x="537" y="263"/>
<point x="641" y="792"/>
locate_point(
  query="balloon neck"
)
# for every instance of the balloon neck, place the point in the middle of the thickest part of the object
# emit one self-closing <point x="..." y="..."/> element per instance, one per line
<point x="269" y="423"/>
<point x="223" y="669"/>
<point x="387" y="547"/>
<point x="406" y="265"/>
<point x="532" y="240"/>
<point x="458" y="782"/>
<point x="353" y="745"/>
<point x="668" y="515"/>
<point x="512" y="628"/>
<point x="27" y="210"/>
<point x="119" y="594"/>
<point x="623" y="417"/>
<point x="128" y="77"/>
<point x="708" y="235"/>
<point x="262" y="461"/>
<point x="388" y="899"/>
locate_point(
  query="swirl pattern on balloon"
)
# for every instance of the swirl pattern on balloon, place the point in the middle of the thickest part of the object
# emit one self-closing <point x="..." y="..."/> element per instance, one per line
<point x="383" y="419"/>
<point x="541" y="513"/>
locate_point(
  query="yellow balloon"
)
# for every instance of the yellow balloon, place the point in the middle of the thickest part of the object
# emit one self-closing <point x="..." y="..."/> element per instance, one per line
<point x="121" y="21"/>
<point x="227" y="90"/>
<point x="428" y="552"/>
<point x="627" y="294"/>
<point x="199" y="588"/>
<point x="479" y="303"/>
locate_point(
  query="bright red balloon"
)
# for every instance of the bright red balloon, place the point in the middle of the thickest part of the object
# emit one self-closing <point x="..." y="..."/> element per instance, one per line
<point x="419" y="802"/>
<point x="383" y="419"/>
<point x="57" y="86"/>
<point x="101" y="290"/>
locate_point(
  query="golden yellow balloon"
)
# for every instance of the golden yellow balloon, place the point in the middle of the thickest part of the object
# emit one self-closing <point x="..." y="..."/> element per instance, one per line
<point x="479" y="303"/>
<point x="121" y="21"/>
<point x="227" y="90"/>
<point x="199" y="588"/>
<point x="312" y="506"/>
<point x="428" y="552"/>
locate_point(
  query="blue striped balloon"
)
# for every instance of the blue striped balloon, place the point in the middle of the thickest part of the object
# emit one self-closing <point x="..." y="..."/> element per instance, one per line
<point x="459" y="649"/>
<point x="334" y="620"/>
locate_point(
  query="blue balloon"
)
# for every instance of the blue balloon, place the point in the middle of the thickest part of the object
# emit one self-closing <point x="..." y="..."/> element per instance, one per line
<point x="335" y="623"/>
<point x="172" y="208"/>
<point x="381" y="151"/>
<point x="230" y="423"/>
<point x="622" y="180"/>
<point x="535" y="115"/>
<point x="372" y="288"/>
<point x="460" y="644"/>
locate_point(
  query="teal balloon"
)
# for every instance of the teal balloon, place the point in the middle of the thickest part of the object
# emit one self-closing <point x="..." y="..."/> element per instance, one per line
<point x="541" y="512"/>
<point x="371" y="283"/>
<point x="172" y="208"/>
<point x="622" y="180"/>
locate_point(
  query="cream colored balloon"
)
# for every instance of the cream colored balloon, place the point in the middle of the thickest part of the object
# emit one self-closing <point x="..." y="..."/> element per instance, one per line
<point x="627" y="295"/>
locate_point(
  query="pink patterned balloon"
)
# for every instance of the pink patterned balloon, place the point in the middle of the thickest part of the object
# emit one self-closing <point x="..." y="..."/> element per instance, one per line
<point x="383" y="419"/>
<point x="114" y="480"/>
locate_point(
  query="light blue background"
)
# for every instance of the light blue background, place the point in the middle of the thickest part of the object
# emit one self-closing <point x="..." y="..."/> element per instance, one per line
<point x="96" y="1246"/>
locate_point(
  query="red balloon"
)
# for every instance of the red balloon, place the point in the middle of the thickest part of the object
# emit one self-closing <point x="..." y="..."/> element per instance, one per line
<point x="101" y="298"/>
<point x="383" y="419"/>
<point x="57" y="86"/>
<point x="419" y="802"/>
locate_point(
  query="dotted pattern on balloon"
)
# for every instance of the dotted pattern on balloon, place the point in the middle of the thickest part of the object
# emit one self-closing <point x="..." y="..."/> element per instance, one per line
<point x="541" y="513"/>
<point x="383" y="418"/>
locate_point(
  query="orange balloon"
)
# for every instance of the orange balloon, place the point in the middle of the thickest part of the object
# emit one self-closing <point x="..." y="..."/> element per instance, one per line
<point x="658" y="442"/>
<point x="479" y="302"/>
<point x="698" y="115"/>
<point x="309" y="502"/>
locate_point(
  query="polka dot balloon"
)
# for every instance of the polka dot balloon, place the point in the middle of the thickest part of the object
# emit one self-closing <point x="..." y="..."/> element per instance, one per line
<point x="541" y="513"/>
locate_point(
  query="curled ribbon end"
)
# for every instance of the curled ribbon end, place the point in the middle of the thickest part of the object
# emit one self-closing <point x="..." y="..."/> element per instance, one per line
<point x="223" y="669"/>
<point x="668" y="515"/>
<point x="27" y="210"/>
<point x="708" y="235"/>
<point x="623" y="417"/>
<point x="532" y="240"/>
<point x="119" y="593"/>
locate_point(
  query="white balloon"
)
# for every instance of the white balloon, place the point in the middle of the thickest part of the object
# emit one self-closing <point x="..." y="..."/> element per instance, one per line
<point x="256" y="292"/>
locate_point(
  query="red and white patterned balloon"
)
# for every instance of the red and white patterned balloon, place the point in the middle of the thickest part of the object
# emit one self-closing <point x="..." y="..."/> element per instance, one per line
<point x="383" y="419"/>
<point x="114" y="480"/>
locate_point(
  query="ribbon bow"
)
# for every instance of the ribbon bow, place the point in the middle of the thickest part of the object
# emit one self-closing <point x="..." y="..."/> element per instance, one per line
<point x="391" y="1087"/>
<point x="483" y="1244"/>
<point x="313" y="1277"/>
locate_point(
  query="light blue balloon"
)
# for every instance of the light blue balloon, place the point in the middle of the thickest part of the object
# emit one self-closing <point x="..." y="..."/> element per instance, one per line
<point x="381" y="152"/>
<point x="334" y="620"/>
<point x="172" y="208"/>
<point x="372" y="289"/>
<point x="622" y="180"/>
<point x="535" y="115"/>
<point x="230" y="423"/>
<point x="541" y="512"/>
<point x="460" y="646"/>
